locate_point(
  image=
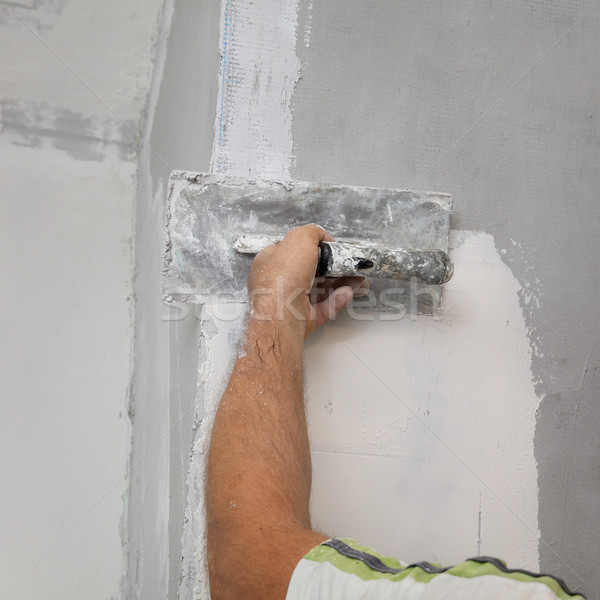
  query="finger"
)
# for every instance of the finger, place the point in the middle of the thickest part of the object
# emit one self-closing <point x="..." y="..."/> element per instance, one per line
<point x="311" y="233"/>
<point x="301" y="247"/>
<point x="323" y="287"/>
<point x="331" y="306"/>
<point x="336" y="282"/>
<point x="363" y="290"/>
<point x="327" y="237"/>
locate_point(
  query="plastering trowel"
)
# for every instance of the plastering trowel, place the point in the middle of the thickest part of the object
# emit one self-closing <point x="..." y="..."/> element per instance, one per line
<point x="215" y="224"/>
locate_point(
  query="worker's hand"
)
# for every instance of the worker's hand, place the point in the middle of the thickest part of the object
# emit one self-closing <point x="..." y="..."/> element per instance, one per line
<point x="282" y="282"/>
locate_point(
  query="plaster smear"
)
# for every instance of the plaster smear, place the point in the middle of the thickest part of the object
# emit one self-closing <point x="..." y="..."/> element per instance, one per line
<point x="258" y="72"/>
<point x="422" y="430"/>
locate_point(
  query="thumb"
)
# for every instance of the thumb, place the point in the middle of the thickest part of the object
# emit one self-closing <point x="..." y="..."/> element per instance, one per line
<point x="331" y="306"/>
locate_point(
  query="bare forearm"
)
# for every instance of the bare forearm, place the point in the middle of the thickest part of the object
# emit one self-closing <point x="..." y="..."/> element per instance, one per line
<point x="259" y="471"/>
<point x="259" y="461"/>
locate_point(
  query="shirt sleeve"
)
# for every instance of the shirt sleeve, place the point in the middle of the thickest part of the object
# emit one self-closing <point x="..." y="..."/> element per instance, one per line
<point x="342" y="569"/>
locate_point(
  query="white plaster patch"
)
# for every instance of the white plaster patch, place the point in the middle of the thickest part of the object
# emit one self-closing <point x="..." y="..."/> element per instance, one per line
<point x="258" y="72"/>
<point x="422" y="431"/>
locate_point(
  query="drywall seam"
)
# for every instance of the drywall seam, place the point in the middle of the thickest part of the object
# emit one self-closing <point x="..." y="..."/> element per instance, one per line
<point x="258" y="72"/>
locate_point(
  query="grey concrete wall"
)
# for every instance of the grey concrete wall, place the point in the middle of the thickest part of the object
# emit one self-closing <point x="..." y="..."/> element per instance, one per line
<point x="74" y="83"/>
<point x="496" y="103"/>
<point x="179" y="134"/>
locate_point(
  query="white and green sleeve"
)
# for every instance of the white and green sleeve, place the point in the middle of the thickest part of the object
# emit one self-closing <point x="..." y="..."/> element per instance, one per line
<point x="341" y="569"/>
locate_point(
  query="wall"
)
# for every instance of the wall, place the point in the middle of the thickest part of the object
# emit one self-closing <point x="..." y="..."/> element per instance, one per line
<point x="74" y="82"/>
<point x="476" y="433"/>
<point x="495" y="103"/>
<point x="178" y="134"/>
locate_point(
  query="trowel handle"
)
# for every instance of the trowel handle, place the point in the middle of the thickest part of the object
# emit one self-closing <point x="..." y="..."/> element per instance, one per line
<point x="341" y="259"/>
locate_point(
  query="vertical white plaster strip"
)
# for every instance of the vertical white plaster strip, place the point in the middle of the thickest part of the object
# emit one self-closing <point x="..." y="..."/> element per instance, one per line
<point x="257" y="75"/>
<point x="221" y="329"/>
<point x="258" y="72"/>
